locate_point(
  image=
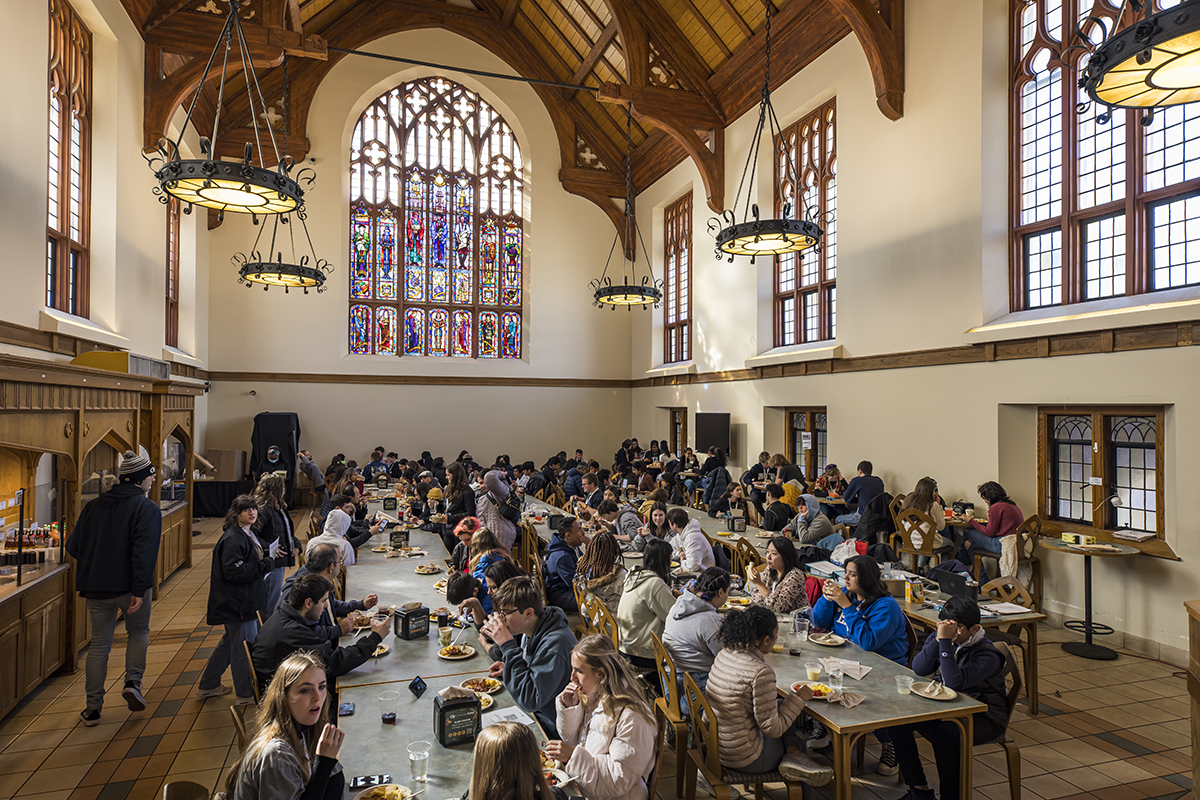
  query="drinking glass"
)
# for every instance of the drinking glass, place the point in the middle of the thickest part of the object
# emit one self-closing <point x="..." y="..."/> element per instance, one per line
<point x="418" y="760"/>
<point x="835" y="678"/>
<point x="904" y="684"/>
<point x="812" y="670"/>
<point x="800" y="627"/>
<point x="388" y="705"/>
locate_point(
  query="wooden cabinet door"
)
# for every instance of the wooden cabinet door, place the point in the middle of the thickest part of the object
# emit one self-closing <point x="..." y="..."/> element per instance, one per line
<point x="53" y="654"/>
<point x="11" y="686"/>
<point x="32" y="649"/>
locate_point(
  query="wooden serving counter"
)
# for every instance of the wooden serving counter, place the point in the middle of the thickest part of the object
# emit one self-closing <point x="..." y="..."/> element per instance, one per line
<point x="1193" y="681"/>
<point x="33" y="632"/>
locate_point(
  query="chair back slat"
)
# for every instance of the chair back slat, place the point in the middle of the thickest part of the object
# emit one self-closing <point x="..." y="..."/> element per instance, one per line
<point x="239" y="727"/>
<point x="253" y="674"/>
<point x="1008" y="589"/>
<point x="1010" y="671"/>
<point x="667" y="675"/>
<point x="704" y="723"/>
<point x="660" y="747"/>
<point x="606" y="623"/>
<point x="185" y="790"/>
<point x="894" y="508"/>
<point x="913" y="642"/>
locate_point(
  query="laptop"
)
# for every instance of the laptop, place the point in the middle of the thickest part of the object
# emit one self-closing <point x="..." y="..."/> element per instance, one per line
<point x="953" y="585"/>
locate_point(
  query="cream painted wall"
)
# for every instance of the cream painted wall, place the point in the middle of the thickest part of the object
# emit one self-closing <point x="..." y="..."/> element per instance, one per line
<point x="128" y="223"/>
<point x="921" y="231"/>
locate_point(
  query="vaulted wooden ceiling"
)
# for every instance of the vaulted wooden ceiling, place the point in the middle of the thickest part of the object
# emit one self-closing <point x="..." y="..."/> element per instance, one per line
<point x="686" y="67"/>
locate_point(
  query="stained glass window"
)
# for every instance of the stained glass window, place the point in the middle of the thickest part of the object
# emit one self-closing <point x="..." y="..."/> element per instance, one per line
<point x="436" y="226"/>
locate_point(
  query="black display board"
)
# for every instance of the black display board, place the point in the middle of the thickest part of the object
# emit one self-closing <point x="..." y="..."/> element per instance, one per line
<point x="712" y="430"/>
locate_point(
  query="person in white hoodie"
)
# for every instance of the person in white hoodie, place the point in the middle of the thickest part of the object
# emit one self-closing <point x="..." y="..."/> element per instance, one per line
<point x="690" y="635"/>
<point x="607" y="726"/>
<point x="337" y="524"/>
<point x="644" y="605"/>
<point x="692" y="546"/>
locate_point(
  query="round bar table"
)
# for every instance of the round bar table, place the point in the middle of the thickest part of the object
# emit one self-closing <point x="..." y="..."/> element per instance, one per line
<point x="1086" y="648"/>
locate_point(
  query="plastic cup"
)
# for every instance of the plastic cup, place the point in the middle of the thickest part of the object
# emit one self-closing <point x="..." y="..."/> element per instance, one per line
<point x="813" y="671"/>
<point x="418" y="760"/>
<point x="389" y="703"/>
<point x="802" y="629"/>
<point x="904" y="684"/>
<point x="444" y="636"/>
<point x="835" y="678"/>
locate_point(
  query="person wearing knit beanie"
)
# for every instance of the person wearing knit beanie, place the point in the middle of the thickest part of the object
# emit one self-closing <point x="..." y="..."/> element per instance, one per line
<point x="134" y="468"/>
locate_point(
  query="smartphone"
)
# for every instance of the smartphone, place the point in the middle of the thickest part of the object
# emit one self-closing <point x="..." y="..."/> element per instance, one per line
<point x="417" y="686"/>
<point x="346" y="710"/>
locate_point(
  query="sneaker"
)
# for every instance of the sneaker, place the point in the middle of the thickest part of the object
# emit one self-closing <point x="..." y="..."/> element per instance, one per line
<point x="914" y="793"/>
<point x="90" y="717"/>
<point x="803" y="768"/>
<point x="217" y="692"/>
<point x="887" y="760"/>
<point x="244" y="701"/>
<point x="133" y="696"/>
<point x="819" y="737"/>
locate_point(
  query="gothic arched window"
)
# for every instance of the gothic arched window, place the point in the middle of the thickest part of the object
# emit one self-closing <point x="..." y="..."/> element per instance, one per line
<point x="436" y="228"/>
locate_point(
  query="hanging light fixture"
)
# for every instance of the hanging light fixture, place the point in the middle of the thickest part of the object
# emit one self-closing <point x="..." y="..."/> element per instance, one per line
<point x="629" y="292"/>
<point x="305" y="272"/>
<point x="753" y="236"/>
<point x="1148" y="64"/>
<point x="243" y="187"/>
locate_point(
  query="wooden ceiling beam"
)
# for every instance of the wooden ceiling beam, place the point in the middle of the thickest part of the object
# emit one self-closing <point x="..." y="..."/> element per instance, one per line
<point x="881" y="34"/>
<point x="162" y="10"/>
<point x="684" y="57"/>
<point x="685" y="107"/>
<point x="593" y="56"/>
<point x="737" y="18"/>
<point x="510" y="12"/>
<point x="708" y="28"/>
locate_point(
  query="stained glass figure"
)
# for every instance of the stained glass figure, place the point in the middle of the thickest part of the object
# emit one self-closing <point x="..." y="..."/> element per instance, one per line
<point x="360" y="330"/>
<point x="461" y="334"/>
<point x="489" y="335"/>
<point x="414" y="332"/>
<point x="439" y="324"/>
<point x="385" y="331"/>
<point x="436" y="204"/>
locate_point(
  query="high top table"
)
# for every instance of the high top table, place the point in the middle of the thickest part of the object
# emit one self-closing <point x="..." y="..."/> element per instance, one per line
<point x="1086" y="626"/>
<point x="882" y="708"/>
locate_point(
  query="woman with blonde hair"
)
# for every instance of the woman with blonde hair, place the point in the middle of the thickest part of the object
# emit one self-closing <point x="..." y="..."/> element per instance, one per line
<point x="293" y="755"/>
<point x="606" y="724"/>
<point x="507" y="765"/>
<point x="274" y="531"/>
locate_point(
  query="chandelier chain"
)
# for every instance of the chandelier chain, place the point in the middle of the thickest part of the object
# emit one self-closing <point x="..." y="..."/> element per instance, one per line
<point x="227" y="37"/>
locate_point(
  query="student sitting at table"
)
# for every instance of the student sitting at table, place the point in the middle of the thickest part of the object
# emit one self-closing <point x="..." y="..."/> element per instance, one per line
<point x="733" y="502"/>
<point x="780" y="586"/>
<point x="809" y="526"/>
<point x="645" y="603"/>
<point x="337" y="531"/>
<point x="460" y="501"/>
<point x="323" y="560"/>
<point x="657" y="495"/>
<point x="757" y="474"/>
<point x="969" y="663"/>
<point x="593" y="495"/>
<point x="643" y="479"/>
<point x="777" y="513"/>
<point x="691" y="545"/>
<point x="574" y="485"/>
<point x="1003" y="519"/>
<point x="755" y="728"/>
<point x="716" y="477"/>
<point x="534" y="644"/>
<point x="464" y="531"/>
<point x="600" y="571"/>
<point x="621" y="520"/>
<point x="655" y="528"/>
<point x="506" y="765"/>
<point x="561" y="560"/>
<point x="670" y="483"/>
<point x="606" y="725"/>
<point x="923" y="498"/>
<point x="830" y="483"/>
<point x="297" y="626"/>
<point x="295" y="751"/>
<point x="690" y="633"/>
<point x="860" y="491"/>
<point x="872" y="620"/>
<point x="485" y="551"/>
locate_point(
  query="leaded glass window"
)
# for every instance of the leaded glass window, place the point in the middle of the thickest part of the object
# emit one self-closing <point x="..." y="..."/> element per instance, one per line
<point x="1072" y="468"/>
<point x="677" y="305"/>
<point x="1134" y="461"/>
<point x="436" y="226"/>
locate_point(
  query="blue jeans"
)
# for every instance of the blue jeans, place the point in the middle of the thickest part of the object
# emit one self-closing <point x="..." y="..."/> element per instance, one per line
<point x="831" y="541"/>
<point x="848" y="519"/>
<point x="701" y="679"/>
<point x="982" y="542"/>
<point x="103" y="616"/>
<point x="230" y="652"/>
<point x="274" y="585"/>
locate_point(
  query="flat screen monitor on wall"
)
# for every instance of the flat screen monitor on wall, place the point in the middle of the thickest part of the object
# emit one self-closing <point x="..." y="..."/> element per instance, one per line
<point x="712" y="430"/>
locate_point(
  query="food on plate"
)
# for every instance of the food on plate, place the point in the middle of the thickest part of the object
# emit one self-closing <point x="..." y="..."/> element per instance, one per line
<point x="457" y="651"/>
<point x="440" y="585"/>
<point x="381" y="650"/>
<point x="819" y="690"/>
<point x="388" y="791"/>
<point x="486" y="701"/>
<point x="739" y="601"/>
<point x="382" y="549"/>
<point x="428" y="569"/>
<point x="485" y="685"/>
<point x="547" y="761"/>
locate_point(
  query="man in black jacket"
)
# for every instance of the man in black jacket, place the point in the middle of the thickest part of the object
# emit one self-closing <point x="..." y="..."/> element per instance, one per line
<point x="115" y="545"/>
<point x="777" y="513"/>
<point x="971" y="664"/>
<point x="325" y="560"/>
<point x="294" y="627"/>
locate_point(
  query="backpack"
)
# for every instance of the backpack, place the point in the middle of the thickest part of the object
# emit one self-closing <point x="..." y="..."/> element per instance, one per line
<point x="876" y="518"/>
<point x="510" y="509"/>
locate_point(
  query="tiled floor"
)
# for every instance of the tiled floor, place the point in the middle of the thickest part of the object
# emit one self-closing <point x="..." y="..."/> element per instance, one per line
<point x="1115" y="730"/>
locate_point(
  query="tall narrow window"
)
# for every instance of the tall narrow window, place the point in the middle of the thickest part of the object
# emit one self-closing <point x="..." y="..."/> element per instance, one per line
<point x="68" y="204"/>
<point x="1101" y="207"/>
<point x="808" y="442"/>
<point x="806" y="284"/>
<point x="1071" y="468"/>
<point x="677" y="308"/>
<point x="436" y="226"/>
<point x="678" y="430"/>
<point x="172" y="272"/>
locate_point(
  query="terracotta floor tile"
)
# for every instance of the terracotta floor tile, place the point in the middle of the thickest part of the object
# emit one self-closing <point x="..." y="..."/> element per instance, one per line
<point x="171" y="743"/>
<point x="158" y="765"/>
<point x="86" y="792"/>
<point x="154" y="727"/>
<point x="181" y="723"/>
<point x="100" y="773"/>
<point x="78" y="754"/>
<point x="23" y="760"/>
<point x="146" y="789"/>
<point x="129" y="769"/>
<point x="53" y="780"/>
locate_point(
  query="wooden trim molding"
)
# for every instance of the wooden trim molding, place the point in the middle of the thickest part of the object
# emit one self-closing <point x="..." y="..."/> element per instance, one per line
<point x="47" y="341"/>
<point x="414" y="380"/>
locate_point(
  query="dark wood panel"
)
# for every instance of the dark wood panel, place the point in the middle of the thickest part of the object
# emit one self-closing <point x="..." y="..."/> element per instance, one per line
<point x="1146" y="338"/>
<point x="1076" y="345"/>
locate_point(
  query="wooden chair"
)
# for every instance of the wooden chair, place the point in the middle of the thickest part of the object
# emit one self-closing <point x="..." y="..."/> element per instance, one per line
<point x="253" y="674"/>
<point x="605" y="623"/>
<point x="239" y="727"/>
<point x="707" y="757"/>
<point x="1012" y="752"/>
<point x="894" y="509"/>
<point x="745" y="555"/>
<point x="535" y="572"/>
<point x="1027" y="538"/>
<point x="843" y="530"/>
<point x="1008" y="590"/>
<point x="914" y="643"/>
<point x="669" y="706"/>
<point x="262" y="618"/>
<point x="185" y="790"/>
<point x="660" y="747"/>
<point x="909" y="522"/>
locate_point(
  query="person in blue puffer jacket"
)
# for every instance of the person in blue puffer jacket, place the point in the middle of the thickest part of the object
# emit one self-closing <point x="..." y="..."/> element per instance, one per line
<point x="873" y="621"/>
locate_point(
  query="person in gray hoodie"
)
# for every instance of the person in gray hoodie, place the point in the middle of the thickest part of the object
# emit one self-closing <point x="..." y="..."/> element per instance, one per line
<point x="690" y="635"/>
<point x="809" y="526"/>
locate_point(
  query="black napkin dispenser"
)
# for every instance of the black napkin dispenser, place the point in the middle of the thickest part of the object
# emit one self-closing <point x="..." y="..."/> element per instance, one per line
<point x="735" y="524"/>
<point x="962" y="507"/>
<point x="411" y="621"/>
<point x="458" y="720"/>
<point x="390" y="504"/>
<point x="398" y="537"/>
<point x="383" y="481"/>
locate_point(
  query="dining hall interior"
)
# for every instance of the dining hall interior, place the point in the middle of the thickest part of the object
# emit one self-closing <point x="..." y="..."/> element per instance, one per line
<point x="528" y="227"/>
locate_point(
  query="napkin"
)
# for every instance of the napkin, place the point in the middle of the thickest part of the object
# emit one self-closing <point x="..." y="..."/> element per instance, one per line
<point x="455" y="693"/>
<point x="849" y="699"/>
<point x="852" y="669"/>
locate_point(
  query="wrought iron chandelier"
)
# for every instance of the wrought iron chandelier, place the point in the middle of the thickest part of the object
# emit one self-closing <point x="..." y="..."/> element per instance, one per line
<point x="300" y="271"/>
<point x="243" y="187"/>
<point x="629" y="292"/>
<point x="753" y="236"/>
<point x="1148" y="64"/>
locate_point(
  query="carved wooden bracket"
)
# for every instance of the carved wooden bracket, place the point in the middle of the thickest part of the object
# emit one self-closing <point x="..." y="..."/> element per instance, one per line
<point x="600" y="186"/>
<point x="881" y="34"/>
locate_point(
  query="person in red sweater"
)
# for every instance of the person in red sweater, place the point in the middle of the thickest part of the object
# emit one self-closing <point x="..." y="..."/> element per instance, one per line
<point x="1003" y="520"/>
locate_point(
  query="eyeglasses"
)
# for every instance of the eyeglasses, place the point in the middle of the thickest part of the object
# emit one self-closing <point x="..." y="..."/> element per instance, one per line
<point x="507" y="612"/>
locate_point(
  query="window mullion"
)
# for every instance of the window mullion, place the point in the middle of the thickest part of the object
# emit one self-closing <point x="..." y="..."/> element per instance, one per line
<point x="1137" y="239"/>
<point x="1100" y="469"/>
